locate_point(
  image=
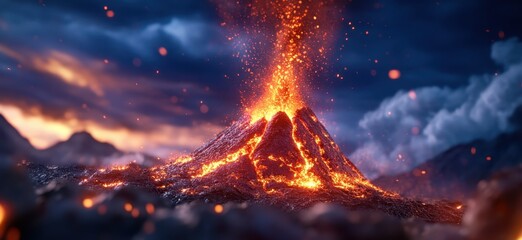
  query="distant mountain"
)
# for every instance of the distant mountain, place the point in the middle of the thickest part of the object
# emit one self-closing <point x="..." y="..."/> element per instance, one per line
<point x="14" y="145"/>
<point x="455" y="173"/>
<point x="81" y="149"/>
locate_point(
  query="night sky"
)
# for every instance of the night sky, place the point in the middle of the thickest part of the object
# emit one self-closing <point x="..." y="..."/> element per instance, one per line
<point x="160" y="76"/>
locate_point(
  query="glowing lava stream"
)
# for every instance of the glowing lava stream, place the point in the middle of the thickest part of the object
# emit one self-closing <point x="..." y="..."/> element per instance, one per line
<point x="303" y="176"/>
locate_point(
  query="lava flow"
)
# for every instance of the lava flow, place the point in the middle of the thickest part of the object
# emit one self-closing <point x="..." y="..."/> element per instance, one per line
<point x="278" y="153"/>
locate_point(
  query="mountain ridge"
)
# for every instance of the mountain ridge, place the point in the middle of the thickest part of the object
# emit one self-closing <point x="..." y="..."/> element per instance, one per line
<point x="455" y="173"/>
<point x="81" y="148"/>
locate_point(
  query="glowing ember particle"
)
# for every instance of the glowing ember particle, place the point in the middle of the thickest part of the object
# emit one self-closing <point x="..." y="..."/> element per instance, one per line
<point x="488" y="158"/>
<point x="423" y="172"/>
<point x="459" y="207"/>
<point x="110" y="14"/>
<point x="218" y="208"/>
<point x="127" y="207"/>
<point x="394" y="74"/>
<point x="162" y="51"/>
<point x="473" y="150"/>
<point x="88" y="203"/>
<point x="150" y="208"/>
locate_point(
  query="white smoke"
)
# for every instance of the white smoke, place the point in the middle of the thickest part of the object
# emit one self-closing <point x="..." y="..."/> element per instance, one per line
<point x="413" y="126"/>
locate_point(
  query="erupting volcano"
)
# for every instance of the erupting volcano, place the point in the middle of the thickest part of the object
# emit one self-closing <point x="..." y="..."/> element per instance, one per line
<point x="278" y="153"/>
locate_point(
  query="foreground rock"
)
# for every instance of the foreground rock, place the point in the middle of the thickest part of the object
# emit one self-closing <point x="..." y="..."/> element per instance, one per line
<point x="68" y="211"/>
<point x="496" y="213"/>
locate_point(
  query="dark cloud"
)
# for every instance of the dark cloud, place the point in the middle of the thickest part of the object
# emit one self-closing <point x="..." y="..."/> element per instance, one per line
<point x="413" y="126"/>
<point x="143" y="82"/>
<point x="433" y="43"/>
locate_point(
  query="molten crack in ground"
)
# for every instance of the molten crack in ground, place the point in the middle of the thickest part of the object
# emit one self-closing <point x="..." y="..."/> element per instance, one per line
<point x="288" y="162"/>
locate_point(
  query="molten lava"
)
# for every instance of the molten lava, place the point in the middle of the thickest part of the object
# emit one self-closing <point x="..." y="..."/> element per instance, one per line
<point x="282" y="90"/>
<point x="278" y="153"/>
<point x="268" y="155"/>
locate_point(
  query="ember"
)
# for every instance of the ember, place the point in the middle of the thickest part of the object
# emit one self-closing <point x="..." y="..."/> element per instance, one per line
<point x="87" y="203"/>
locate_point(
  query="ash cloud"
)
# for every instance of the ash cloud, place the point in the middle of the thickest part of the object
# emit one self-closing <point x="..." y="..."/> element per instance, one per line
<point x="413" y="126"/>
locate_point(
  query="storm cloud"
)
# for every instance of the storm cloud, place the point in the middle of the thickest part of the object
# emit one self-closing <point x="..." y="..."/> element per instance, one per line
<point x="68" y="66"/>
<point x="413" y="126"/>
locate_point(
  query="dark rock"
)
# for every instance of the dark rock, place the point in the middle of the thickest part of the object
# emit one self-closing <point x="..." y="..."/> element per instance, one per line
<point x="496" y="212"/>
<point x="335" y="222"/>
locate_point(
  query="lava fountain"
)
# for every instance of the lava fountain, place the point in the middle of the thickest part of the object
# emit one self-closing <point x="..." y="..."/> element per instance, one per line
<point x="278" y="153"/>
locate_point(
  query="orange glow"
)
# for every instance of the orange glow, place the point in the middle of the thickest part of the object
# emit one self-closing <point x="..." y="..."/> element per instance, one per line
<point x="162" y="51"/>
<point x="150" y="208"/>
<point x="394" y="74"/>
<point x="127" y="207"/>
<point x="87" y="203"/>
<point x="69" y="69"/>
<point x="110" y="14"/>
<point x="43" y="132"/>
<point x="218" y="208"/>
<point x="13" y="234"/>
<point x="281" y="95"/>
<point x="299" y="37"/>
<point x="113" y="184"/>
<point x="2" y="215"/>
<point x="211" y="167"/>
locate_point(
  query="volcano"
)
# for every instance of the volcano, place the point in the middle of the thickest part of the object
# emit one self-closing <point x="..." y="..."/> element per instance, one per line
<point x="268" y="157"/>
<point x="279" y="153"/>
<point x="287" y="161"/>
